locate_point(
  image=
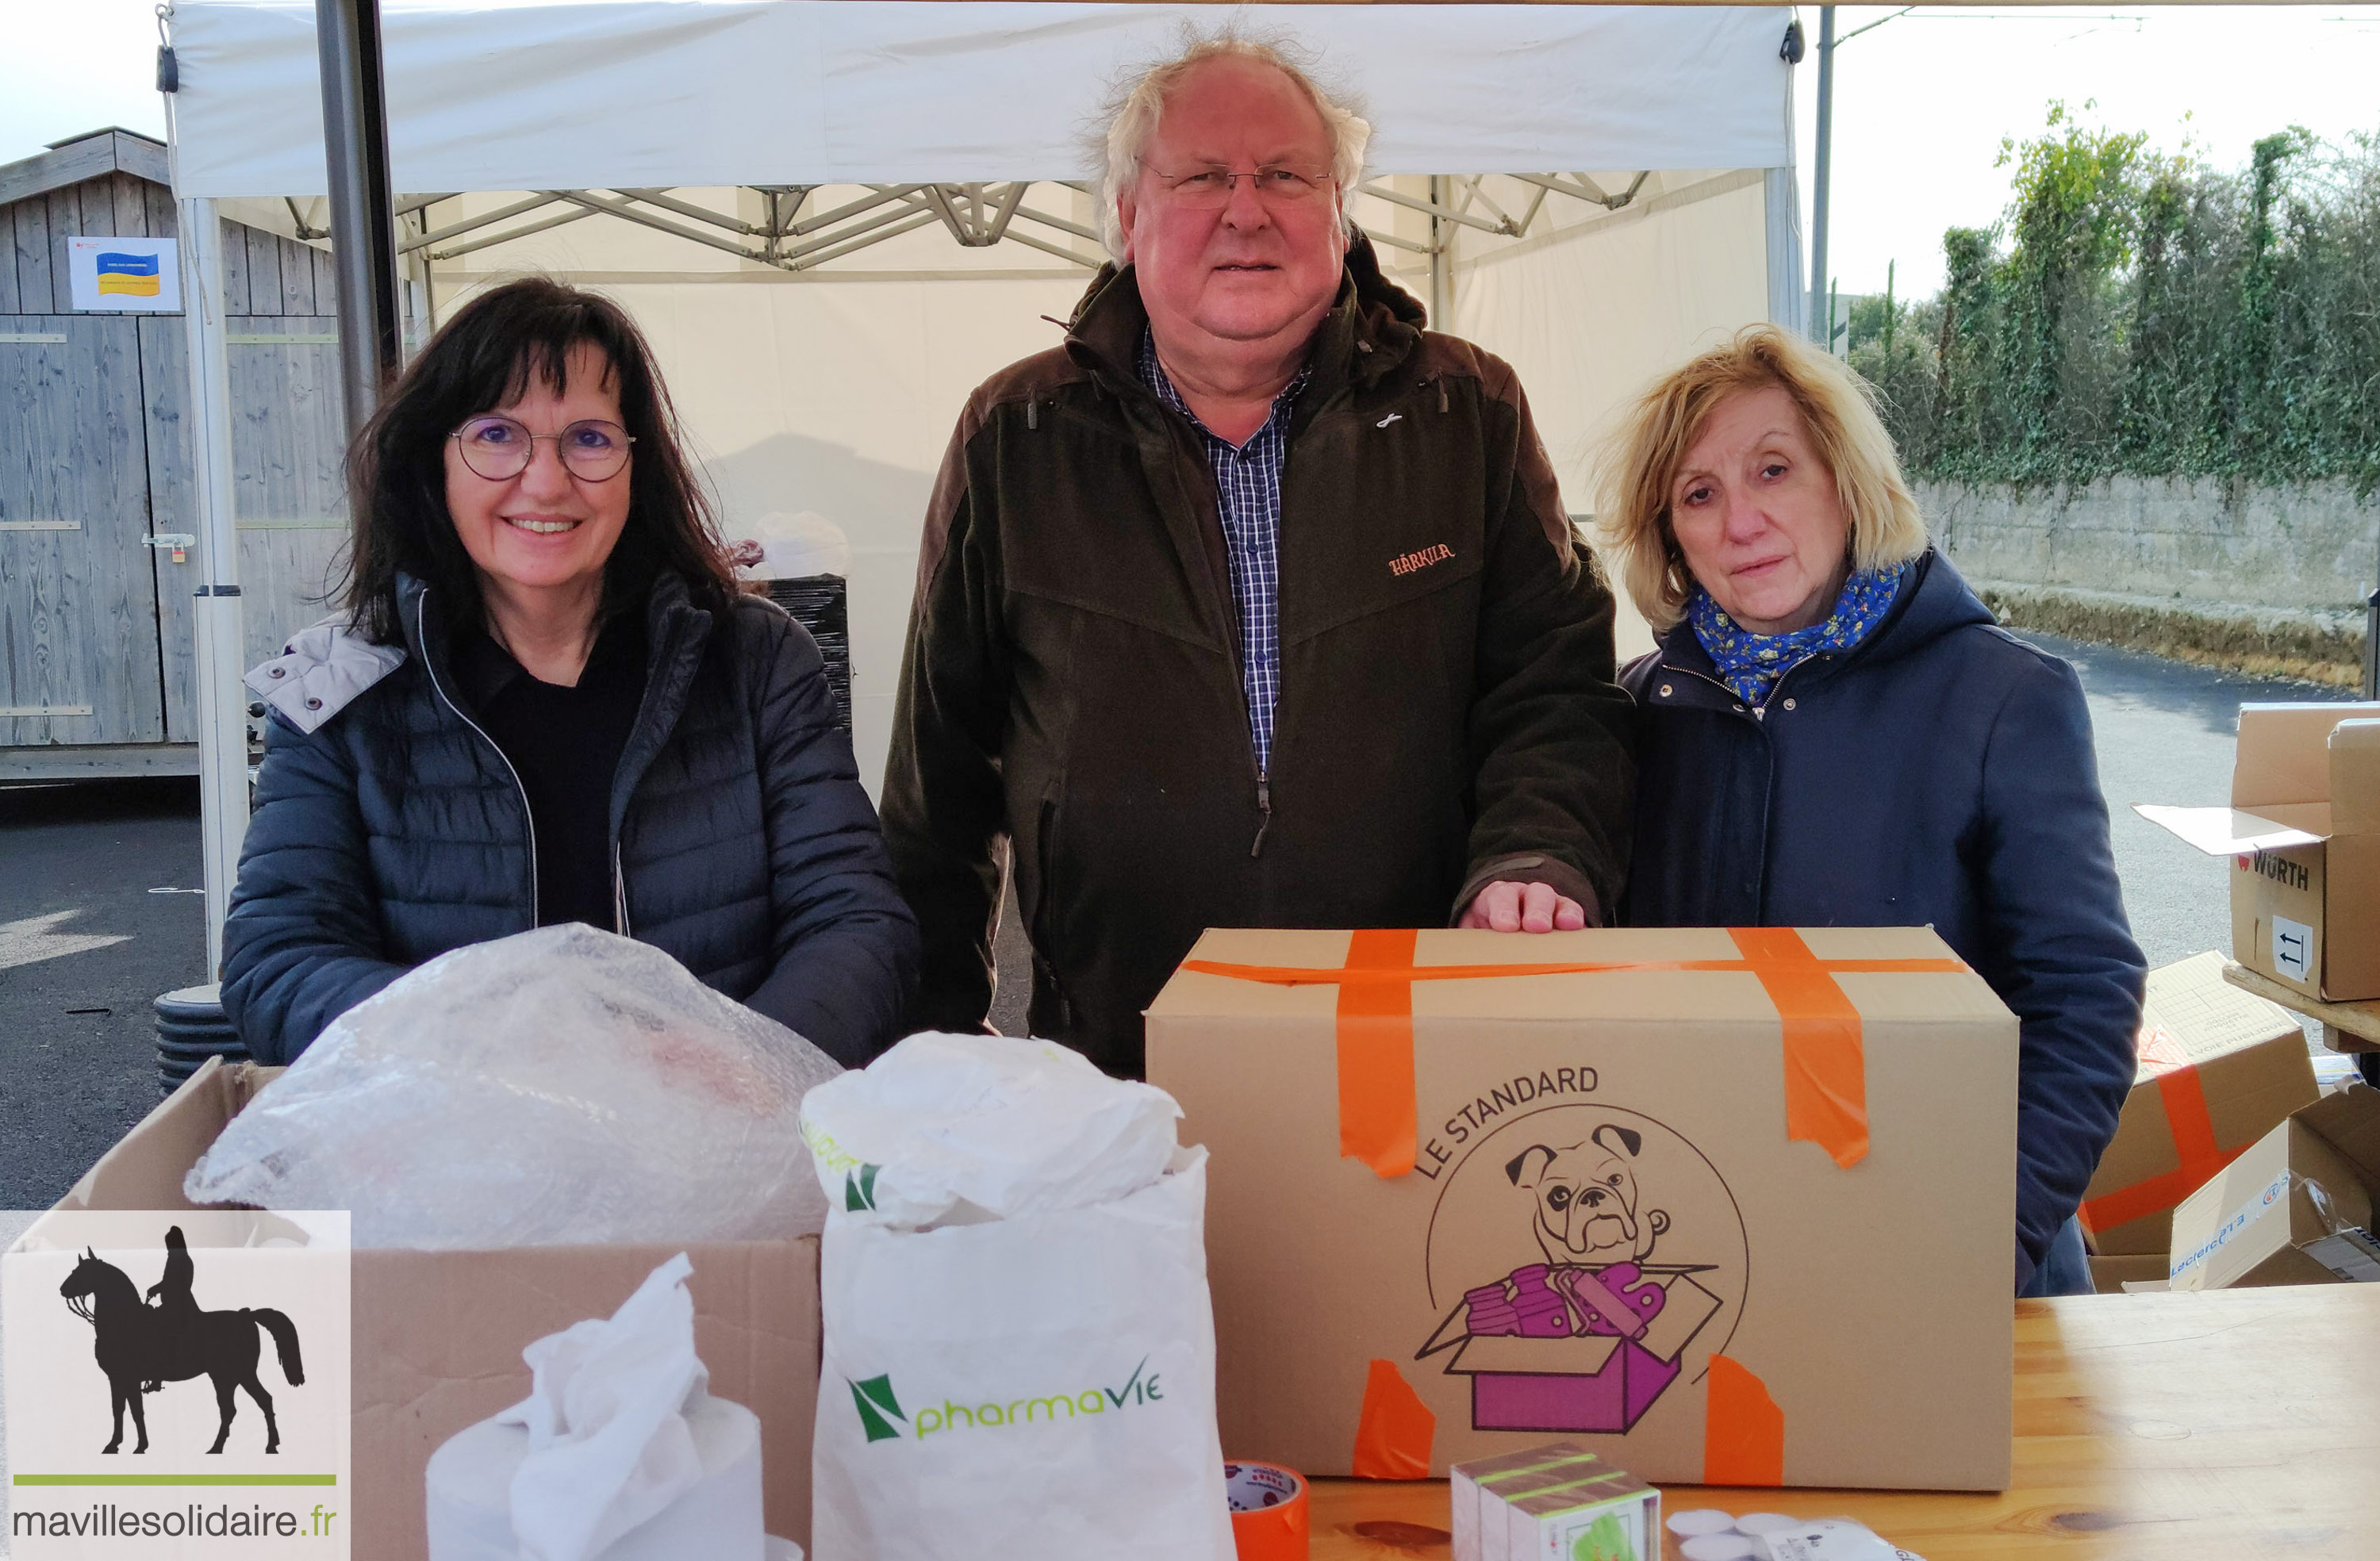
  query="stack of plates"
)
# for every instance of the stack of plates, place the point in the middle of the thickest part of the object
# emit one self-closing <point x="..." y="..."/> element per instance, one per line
<point x="192" y="1028"/>
<point x="820" y="604"/>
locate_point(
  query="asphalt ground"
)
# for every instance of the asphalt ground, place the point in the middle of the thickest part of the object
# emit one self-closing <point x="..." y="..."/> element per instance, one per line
<point x="77" y="1062"/>
<point x="78" y="1036"/>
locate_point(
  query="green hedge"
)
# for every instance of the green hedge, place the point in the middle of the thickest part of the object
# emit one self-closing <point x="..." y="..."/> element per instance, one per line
<point x="2138" y="313"/>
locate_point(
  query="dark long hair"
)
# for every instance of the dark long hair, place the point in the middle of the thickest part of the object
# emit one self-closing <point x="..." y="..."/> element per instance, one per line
<point x="482" y="360"/>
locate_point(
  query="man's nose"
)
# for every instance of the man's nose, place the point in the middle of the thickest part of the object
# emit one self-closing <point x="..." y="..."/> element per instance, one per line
<point x="1243" y="208"/>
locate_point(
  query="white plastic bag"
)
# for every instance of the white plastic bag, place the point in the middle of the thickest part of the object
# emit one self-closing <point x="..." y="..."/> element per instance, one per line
<point x="1034" y="1374"/>
<point x="945" y="1124"/>
<point x="562" y="1086"/>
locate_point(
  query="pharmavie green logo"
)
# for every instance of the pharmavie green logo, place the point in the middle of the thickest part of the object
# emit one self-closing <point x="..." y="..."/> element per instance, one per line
<point x="859" y="1188"/>
<point x="877" y="1408"/>
<point x="874" y="1401"/>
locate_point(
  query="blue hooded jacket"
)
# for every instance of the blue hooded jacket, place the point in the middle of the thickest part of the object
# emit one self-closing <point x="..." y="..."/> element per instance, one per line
<point x="389" y="829"/>
<point x="1939" y="773"/>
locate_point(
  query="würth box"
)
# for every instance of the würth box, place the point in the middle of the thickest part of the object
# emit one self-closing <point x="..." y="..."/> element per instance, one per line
<point x="2296" y="1209"/>
<point x="2219" y="1069"/>
<point x="1730" y="1207"/>
<point x="2303" y="834"/>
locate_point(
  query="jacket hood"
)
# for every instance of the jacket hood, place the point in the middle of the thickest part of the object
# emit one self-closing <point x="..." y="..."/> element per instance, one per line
<point x="328" y="665"/>
<point x="1934" y="602"/>
<point x="320" y="671"/>
<point x="1373" y="320"/>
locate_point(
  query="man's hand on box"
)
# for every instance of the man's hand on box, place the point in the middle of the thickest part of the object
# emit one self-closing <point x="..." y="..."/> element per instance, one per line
<point x="1524" y="907"/>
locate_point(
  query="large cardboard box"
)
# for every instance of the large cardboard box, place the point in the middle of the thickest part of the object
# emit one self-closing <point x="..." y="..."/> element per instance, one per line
<point x="438" y="1335"/>
<point x="2296" y="1209"/>
<point x="2219" y="1068"/>
<point x="1608" y="1232"/>
<point x="2303" y="834"/>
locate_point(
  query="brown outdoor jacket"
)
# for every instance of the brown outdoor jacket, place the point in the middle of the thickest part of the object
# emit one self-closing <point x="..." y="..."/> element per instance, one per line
<point x="1447" y="714"/>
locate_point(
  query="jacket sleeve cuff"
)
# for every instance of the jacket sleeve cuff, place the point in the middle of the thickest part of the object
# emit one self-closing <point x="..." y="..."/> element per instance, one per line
<point x="1530" y="867"/>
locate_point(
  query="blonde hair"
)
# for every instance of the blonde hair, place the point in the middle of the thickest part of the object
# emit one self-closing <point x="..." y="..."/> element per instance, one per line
<point x="1138" y="103"/>
<point x="1839" y="411"/>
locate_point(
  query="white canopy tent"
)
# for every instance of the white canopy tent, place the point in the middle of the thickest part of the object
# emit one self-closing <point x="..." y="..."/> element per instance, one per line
<point x="888" y="188"/>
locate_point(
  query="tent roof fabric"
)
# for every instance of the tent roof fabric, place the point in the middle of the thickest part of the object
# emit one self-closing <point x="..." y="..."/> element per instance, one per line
<point x="662" y="93"/>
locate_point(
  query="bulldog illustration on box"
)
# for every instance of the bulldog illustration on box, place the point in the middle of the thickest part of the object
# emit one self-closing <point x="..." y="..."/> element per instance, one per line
<point x="1589" y="1338"/>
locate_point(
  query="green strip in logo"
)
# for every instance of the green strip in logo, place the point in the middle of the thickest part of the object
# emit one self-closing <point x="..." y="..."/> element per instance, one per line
<point x="859" y="1193"/>
<point x="874" y="1401"/>
<point x="173" y="1479"/>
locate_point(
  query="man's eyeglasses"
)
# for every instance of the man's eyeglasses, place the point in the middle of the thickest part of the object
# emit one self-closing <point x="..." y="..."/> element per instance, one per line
<point x="1210" y="189"/>
<point x="499" y="449"/>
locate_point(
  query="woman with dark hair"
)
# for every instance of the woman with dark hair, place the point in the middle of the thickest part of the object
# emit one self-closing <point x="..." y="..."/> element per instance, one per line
<point x="546" y="701"/>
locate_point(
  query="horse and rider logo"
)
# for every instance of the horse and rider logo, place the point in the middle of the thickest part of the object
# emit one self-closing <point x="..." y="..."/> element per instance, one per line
<point x="143" y="1342"/>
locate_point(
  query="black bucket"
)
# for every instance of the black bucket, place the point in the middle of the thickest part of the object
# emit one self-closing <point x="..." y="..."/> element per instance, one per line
<point x="192" y="1028"/>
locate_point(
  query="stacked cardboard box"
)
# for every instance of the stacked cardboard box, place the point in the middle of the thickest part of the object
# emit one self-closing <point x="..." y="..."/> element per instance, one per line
<point x="2303" y="834"/>
<point x="2218" y="1069"/>
<point x="438" y="1335"/>
<point x="2296" y="1209"/>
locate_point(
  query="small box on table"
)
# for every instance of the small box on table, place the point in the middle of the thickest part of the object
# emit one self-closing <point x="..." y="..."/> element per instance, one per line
<point x="1554" y="1503"/>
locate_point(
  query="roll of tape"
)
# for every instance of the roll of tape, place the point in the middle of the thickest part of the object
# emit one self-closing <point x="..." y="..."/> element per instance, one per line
<point x="1269" y="1512"/>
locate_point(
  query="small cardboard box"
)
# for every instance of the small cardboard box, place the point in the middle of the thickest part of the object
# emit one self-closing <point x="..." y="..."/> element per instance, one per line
<point x="2296" y="1209"/>
<point x="2303" y="834"/>
<point x="1606" y="1231"/>
<point x="2111" y="1275"/>
<point x="438" y="1336"/>
<point x="1555" y="1503"/>
<point x="2219" y="1068"/>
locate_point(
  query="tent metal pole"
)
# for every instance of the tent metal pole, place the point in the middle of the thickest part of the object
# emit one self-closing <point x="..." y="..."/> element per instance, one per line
<point x="363" y="211"/>
<point x="1441" y="276"/>
<point x="1821" y="181"/>
<point x="221" y="702"/>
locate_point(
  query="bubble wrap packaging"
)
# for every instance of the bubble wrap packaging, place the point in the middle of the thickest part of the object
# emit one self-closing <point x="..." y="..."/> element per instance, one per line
<point x="559" y="1087"/>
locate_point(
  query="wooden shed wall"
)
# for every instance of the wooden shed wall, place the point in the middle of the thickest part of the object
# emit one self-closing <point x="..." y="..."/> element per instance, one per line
<point x="70" y="601"/>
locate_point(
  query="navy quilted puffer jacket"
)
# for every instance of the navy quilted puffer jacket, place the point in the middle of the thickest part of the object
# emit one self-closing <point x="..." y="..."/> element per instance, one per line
<point x="388" y="829"/>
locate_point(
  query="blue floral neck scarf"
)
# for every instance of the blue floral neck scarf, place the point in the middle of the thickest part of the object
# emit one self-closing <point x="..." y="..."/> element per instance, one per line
<point x="1751" y="663"/>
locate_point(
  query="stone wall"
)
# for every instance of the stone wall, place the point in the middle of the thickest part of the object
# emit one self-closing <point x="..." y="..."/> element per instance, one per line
<point x="2265" y="580"/>
<point x="2315" y="548"/>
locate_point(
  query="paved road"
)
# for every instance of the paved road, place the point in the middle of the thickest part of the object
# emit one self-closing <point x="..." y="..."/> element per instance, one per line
<point x="78" y="863"/>
<point x="2166" y="734"/>
<point x="84" y="948"/>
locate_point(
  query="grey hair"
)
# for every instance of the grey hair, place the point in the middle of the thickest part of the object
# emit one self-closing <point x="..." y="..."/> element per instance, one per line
<point x="1129" y="116"/>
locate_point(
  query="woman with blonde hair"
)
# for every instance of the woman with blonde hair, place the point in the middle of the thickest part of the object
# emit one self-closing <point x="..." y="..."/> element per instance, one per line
<point x="1835" y="733"/>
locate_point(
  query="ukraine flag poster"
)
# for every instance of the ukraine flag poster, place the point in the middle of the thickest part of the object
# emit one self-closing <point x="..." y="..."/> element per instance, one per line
<point x="126" y="273"/>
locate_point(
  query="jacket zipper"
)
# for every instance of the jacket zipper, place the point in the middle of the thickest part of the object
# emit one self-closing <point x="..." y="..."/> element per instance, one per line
<point x="421" y="630"/>
<point x="1264" y="812"/>
<point x="619" y="892"/>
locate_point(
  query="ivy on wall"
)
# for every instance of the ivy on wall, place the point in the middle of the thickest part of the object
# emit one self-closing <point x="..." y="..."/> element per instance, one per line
<point x="2141" y="313"/>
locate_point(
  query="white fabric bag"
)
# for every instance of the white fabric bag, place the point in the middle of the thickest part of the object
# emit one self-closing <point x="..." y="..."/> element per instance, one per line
<point x="1020" y="1350"/>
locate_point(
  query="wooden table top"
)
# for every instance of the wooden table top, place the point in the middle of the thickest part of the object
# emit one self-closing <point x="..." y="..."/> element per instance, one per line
<point x="2233" y="1424"/>
<point x="2353" y="1026"/>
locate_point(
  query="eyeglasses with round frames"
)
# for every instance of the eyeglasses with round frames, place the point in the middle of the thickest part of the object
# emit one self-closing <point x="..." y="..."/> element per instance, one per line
<point x="1210" y="189"/>
<point x="499" y="449"/>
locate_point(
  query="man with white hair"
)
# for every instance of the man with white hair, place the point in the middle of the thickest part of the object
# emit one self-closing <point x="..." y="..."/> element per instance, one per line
<point x="1253" y="604"/>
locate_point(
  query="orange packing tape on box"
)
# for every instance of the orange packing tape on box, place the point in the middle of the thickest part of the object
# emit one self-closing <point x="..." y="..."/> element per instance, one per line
<point x="1269" y="1511"/>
